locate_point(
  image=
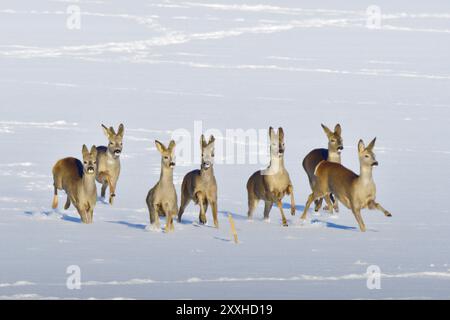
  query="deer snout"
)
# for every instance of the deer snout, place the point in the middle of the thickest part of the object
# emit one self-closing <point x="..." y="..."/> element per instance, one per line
<point x="172" y="164"/>
<point x="206" y="165"/>
<point x="375" y="164"/>
<point x="340" y="148"/>
<point x="117" y="152"/>
<point x="90" y="170"/>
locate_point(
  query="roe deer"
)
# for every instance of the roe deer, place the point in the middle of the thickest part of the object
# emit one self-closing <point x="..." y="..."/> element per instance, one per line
<point x="162" y="198"/>
<point x="273" y="183"/>
<point x="355" y="192"/>
<point x="108" y="159"/>
<point x="200" y="185"/>
<point x="77" y="179"/>
<point x="332" y="154"/>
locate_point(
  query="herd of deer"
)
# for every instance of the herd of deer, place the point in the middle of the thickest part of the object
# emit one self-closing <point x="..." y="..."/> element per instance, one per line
<point x="328" y="179"/>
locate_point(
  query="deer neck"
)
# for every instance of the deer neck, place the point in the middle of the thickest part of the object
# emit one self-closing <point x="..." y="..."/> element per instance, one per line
<point x="276" y="165"/>
<point x="366" y="174"/>
<point x="207" y="174"/>
<point x="166" y="175"/>
<point x="334" y="156"/>
<point x="111" y="158"/>
<point x="88" y="182"/>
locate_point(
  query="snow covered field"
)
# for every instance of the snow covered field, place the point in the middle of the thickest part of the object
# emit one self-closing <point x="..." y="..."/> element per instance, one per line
<point x="158" y="66"/>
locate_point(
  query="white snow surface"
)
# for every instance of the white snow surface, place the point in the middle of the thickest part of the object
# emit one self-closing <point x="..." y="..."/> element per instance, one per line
<point x="160" y="65"/>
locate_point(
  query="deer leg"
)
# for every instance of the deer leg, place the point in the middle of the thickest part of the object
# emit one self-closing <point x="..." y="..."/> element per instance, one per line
<point x="283" y="218"/>
<point x="156" y="210"/>
<point x="83" y="216"/>
<point x="308" y="204"/>
<point x="184" y="203"/>
<point x="329" y="203"/>
<point x="375" y="205"/>
<point x="336" y="203"/>
<point x="267" y="207"/>
<point x="357" y="214"/>
<point x="214" y="211"/>
<point x="67" y="205"/>
<point x="290" y="191"/>
<point x="169" y="222"/>
<point x="86" y="209"/>
<point x="112" y="191"/>
<point x="172" y="214"/>
<point x="91" y="215"/>
<point x="104" y="187"/>
<point x="318" y="204"/>
<point x="252" y="204"/>
<point x="154" y="217"/>
<point x="205" y="205"/>
<point x="202" y="215"/>
<point x="55" y="198"/>
<point x="103" y="179"/>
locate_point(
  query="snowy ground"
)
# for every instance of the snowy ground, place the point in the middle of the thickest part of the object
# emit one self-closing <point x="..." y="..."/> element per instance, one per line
<point x="160" y="65"/>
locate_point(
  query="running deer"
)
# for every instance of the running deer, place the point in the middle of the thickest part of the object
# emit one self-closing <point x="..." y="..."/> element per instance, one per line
<point x="162" y="199"/>
<point x="77" y="179"/>
<point x="332" y="154"/>
<point x="355" y="192"/>
<point x="108" y="159"/>
<point x="200" y="185"/>
<point x="273" y="183"/>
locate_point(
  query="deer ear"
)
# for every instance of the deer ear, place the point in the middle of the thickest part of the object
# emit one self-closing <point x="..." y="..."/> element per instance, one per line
<point x="85" y="151"/>
<point x="371" y="144"/>
<point x="106" y="131"/>
<point x="327" y="131"/>
<point x="361" y="146"/>
<point x="121" y="130"/>
<point x="94" y="151"/>
<point x="161" y="148"/>
<point x="281" y="134"/>
<point x="338" y="129"/>
<point x="172" y="145"/>
<point x="211" y="139"/>
<point x="203" y="141"/>
<point x="271" y="132"/>
<point x="113" y="132"/>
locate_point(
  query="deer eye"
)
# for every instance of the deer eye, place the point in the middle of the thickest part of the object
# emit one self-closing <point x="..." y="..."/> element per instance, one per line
<point x="367" y="156"/>
<point x="85" y="162"/>
<point x="167" y="158"/>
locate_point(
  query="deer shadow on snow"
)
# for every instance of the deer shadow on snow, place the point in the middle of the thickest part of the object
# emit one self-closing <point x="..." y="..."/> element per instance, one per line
<point x="331" y="225"/>
<point x="55" y="214"/>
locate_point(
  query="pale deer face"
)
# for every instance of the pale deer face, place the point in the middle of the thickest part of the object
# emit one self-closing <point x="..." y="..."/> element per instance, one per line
<point x="115" y="140"/>
<point x="167" y="154"/>
<point x="89" y="160"/>
<point x="277" y="146"/>
<point x="207" y="152"/>
<point x="366" y="154"/>
<point x="335" y="142"/>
